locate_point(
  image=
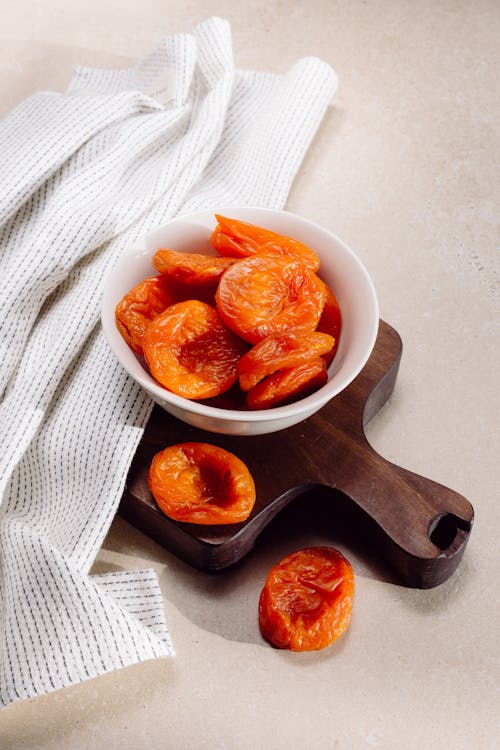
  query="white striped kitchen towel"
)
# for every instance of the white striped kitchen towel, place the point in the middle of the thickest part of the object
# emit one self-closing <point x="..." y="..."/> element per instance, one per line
<point x="82" y="175"/>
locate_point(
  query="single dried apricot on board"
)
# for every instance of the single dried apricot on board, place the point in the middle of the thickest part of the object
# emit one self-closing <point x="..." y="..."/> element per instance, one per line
<point x="288" y="385"/>
<point x="190" y="268"/>
<point x="330" y="322"/>
<point x="240" y="239"/>
<point x="266" y="294"/>
<point x="279" y="351"/>
<point x="139" y="307"/>
<point x="201" y="483"/>
<point x="306" y="602"/>
<point x="191" y="352"/>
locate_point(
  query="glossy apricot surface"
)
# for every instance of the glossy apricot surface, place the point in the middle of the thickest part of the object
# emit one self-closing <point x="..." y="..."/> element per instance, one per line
<point x="288" y="385"/>
<point x="139" y="307"/>
<point x="266" y="294"/>
<point x="307" y="599"/>
<point x="239" y="239"/>
<point x="191" y="352"/>
<point x="201" y="483"/>
<point x="280" y="351"/>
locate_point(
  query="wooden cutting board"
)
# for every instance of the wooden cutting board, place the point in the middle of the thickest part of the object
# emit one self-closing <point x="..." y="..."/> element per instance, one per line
<point x="420" y="527"/>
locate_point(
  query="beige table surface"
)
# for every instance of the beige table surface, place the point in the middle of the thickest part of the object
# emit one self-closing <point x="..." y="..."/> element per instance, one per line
<point x="403" y="169"/>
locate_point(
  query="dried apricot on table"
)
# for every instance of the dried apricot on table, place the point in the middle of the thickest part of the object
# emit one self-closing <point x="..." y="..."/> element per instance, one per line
<point x="201" y="483"/>
<point x="190" y="268"/>
<point x="191" y="352"/>
<point x="279" y="351"/>
<point x="240" y="239"/>
<point x="288" y="385"/>
<point x="266" y="294"/>
<point x="306" y="602"/>
<point x="331" y="322"/>
<point x="139" y="307"/>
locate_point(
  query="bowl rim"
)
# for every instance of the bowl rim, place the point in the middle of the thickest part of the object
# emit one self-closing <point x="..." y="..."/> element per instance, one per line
<point x="307" y="404"/>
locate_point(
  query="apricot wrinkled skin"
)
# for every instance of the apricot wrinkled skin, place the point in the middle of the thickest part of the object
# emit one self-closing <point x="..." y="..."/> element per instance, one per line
<point x="191" y="352"/>
<point x="288" y="385"/>
<point x="280" y="351"/>
<point x="190" y="268"/>
<point x="240" y="239"/>
<point x="139" y="307"/>
<point x="266" y="294"/>
<point x="306" y="602"/>
<point x="201" y="483"/>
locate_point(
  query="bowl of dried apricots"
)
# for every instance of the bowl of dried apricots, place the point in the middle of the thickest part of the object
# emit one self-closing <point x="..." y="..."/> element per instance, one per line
<point x="241" y="322"/>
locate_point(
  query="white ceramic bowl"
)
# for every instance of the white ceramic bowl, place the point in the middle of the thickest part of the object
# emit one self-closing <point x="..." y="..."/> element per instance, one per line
<point x="340" y="269"/>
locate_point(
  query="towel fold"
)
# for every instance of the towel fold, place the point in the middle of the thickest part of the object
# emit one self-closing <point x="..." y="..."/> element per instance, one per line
<point x="84" y="173"/>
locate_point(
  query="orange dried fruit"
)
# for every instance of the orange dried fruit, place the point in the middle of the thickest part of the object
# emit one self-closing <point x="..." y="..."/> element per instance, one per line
<point x="262" y="286"/>
<point x="191" y="352"/>
<point x="288" y="385"/>
<point x="201" y="483"/>
<point x="266" y="294"/>
<point x="139" y="307"/>
<point x="190" y="268"/>
<point x="279" y="351"/>
<point x="307" y="599"/>
<point x="239" y="239"/>
<point x="331" y="322"/>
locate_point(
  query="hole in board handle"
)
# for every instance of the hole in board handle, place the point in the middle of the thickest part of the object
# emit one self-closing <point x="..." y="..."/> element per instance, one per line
<point x="444" y="528"/>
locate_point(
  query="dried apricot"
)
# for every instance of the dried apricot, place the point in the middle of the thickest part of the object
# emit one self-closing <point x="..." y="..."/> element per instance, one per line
<point x="139" y="307"/>
<point x="266" y="294"/>
<point x="190" y="268"/>
<point x="288" y="385"/>
<point x="238" y="239"/>
<point x="331" y="322"/>
<point x="191" y="352"/>
<point x="201" y="483"/>
<point x="279" y="351"/>
<point x="306" y="602"/>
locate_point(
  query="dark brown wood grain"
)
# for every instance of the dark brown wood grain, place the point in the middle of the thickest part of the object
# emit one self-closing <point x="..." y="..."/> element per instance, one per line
<point x="420" y="527"/>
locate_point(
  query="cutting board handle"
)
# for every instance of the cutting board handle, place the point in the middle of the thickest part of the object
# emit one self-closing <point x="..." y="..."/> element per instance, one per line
<point x="420" y="526"/>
